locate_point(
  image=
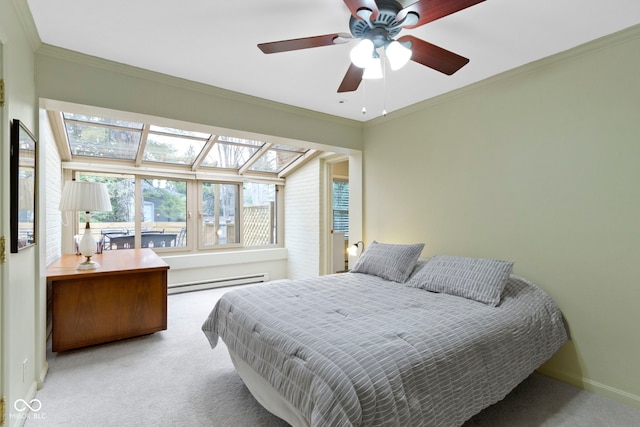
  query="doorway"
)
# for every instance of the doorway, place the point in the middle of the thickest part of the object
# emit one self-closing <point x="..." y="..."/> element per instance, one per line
<point x="342" y="210"/>
<point x="339" y="216"/>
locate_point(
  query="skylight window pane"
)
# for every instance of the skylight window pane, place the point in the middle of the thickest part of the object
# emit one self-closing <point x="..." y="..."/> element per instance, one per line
<point x="102" y="120"/>
<point x="104" y="142"/>
<point x="240" y="140"/>
<point x="228" y="156"/>
<point x="172" y="149"/>
<point x="275" y="160"/>
<point x="179" y="132"/>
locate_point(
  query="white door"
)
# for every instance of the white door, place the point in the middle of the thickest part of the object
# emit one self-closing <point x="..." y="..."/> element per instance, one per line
<point x="338" y="255"/>
<point x="336" y="168"/>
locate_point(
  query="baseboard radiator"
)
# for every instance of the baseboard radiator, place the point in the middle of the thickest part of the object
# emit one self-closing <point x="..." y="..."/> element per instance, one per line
<point x="218" y="283"/>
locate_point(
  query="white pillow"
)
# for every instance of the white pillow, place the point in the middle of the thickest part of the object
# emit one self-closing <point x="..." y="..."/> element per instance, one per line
<point x="391" y="262"/>
<point x="474" y="278"/>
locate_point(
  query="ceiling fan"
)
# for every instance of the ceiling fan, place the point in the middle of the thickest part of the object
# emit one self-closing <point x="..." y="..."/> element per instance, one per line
<point x="376" y="23"/>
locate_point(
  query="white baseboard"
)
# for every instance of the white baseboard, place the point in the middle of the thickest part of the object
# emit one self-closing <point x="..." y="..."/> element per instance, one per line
<point x="594" y="386"/>
<point x="17" y="419"/>
<point x="43" y="375"/>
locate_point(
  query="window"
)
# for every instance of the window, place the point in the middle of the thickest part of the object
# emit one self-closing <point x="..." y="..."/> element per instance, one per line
<point x="277" y="158"/>
<point x="341" y="206"/>
<point x="163" y="206"/>
<point x="101" y="137"/>
<point x="137" y="143"/>
<point x="121" y="220"/>
<point x="164" y="213"/>
<point x="219" y="214"/>
<point x="231" y="153"/>
<point x="167" y="145"/>
<point x="230" y="214"/>
<point x="179" y="189"/>
<point x="259" y="214"/>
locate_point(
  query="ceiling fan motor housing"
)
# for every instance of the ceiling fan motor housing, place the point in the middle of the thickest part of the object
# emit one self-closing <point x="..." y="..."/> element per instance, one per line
<point x="383" y="28"/>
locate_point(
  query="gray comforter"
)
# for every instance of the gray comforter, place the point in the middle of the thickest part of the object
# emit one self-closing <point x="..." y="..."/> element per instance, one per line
<point x="354" y="349"/>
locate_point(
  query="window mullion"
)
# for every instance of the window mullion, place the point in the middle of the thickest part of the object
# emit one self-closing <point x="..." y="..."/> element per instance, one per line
<point x="137" y="226"/>
<point x="216" y="213"/>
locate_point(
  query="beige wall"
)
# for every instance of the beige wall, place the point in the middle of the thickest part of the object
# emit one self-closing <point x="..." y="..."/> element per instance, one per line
<point x="542" y="166"/>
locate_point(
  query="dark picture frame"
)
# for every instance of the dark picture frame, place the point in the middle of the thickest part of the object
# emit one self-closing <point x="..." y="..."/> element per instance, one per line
<point x="23" y="171"/>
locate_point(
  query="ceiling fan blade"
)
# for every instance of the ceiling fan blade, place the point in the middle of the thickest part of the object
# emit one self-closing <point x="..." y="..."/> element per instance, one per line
<point x="434" y="56"/>
<point x="355" y="5"/>
<point x="430" y="10"/>
<point x="302" y="43"/>
<point x="352" y="79"/>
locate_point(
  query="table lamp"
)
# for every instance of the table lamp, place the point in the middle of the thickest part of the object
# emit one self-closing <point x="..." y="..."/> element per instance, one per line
<point x="356" y="249"/>
<point x="87" y="197"/>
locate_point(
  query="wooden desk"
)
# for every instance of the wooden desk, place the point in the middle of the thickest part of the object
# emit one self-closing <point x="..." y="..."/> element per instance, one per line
<point x="125" y="297"/>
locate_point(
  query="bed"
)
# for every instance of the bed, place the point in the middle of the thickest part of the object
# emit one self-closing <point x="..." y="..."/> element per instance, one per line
<point x="360" y="349"/>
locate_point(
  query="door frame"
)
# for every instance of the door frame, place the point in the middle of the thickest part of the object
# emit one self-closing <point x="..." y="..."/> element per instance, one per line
<point x="4" y="232"/>
<point x="355" y="205"/>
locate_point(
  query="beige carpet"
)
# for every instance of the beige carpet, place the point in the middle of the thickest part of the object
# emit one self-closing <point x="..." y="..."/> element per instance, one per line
<point x="173" y="378"/>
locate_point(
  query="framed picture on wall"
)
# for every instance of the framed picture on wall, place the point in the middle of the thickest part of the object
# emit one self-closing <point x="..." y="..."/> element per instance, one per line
<point x="23" y="172"/>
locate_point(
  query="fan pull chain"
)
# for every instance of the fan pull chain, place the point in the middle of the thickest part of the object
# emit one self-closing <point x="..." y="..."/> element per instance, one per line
<point x="364" y="97"/>
<point x="384" y="85"/>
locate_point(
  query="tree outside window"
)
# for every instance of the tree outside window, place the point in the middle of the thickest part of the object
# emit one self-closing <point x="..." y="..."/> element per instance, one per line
<point x="220" y="207"/>
<point x="164" y="211"/>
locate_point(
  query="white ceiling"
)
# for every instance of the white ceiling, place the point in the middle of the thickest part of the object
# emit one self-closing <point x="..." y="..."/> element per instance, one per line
<point x="214" y="42"/>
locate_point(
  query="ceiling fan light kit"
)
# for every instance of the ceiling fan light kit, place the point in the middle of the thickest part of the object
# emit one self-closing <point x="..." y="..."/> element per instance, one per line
<point x="362" y="54"/>
<point x="376" y="23"/>
<point x="373" y="70"/>
<point x="398" y="54"/>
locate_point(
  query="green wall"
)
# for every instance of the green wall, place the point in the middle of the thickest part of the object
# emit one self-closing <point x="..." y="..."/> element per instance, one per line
<point x="22" y="285"/>
<point x="540" y="165"/>
<point x="68" y="76"/>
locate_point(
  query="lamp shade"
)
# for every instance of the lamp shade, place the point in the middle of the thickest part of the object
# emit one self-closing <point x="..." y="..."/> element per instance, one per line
<point x="353" y="249"/>
<point x="398" y="55"/>
<point x="85" y="196"/>
<point x="362" y="53"/>
<point x="373" y="70"/>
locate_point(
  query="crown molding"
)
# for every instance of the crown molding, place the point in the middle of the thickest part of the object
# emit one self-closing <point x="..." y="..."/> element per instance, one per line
<point x="26" y="21"/>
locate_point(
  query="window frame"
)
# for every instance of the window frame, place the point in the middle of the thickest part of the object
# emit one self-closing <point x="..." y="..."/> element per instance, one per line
<point x="238" y="215"/>
<point x="334" y="210"/>
<point x="278" y="219"/>
<point x="193" y="239"/>
<point x="159" y="133"/>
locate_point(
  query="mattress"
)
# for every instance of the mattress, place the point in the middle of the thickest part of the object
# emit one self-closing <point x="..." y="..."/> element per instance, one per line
<point x="357" y="350"/>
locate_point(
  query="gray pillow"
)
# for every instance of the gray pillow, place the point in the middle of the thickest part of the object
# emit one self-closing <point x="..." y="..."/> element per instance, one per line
<point x="474" y="278"/>
<point x="391" y="262"/>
